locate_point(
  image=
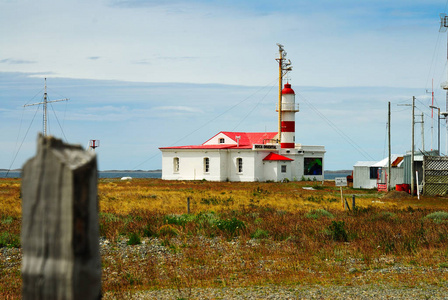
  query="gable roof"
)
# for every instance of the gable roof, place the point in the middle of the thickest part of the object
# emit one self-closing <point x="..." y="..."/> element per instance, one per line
<point x="395" y="161"/>
<point x="246" y="140"/>
<point x="273" y="156"/>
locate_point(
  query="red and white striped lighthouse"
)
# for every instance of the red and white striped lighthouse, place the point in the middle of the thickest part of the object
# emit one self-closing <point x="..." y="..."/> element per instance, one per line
<point x="288" y="123"/>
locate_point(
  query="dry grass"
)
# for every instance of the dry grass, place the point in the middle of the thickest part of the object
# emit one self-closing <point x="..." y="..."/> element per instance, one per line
<point x="240" y="234"/>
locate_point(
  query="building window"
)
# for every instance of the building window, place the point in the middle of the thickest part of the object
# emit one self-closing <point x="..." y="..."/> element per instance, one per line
<point x="176" y="164"/>
<point x="206" y="165"/>
<point x="283" y="168"/>
<point x="221" y="140"/>
<point x="239" y="162"/>
<point x="312" y="166"/>
<point x="374" y="172"/>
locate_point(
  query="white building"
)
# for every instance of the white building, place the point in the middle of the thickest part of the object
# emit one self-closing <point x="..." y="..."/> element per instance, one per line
<point x="367" y="174"/>
<point x="242" y="156"/>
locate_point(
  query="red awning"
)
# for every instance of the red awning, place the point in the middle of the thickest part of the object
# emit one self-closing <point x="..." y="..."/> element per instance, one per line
<point x="274" y="156"/>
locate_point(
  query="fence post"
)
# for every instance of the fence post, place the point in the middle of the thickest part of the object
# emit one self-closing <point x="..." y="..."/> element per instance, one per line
<point x="188" y="205"/>
<point x="60" y="232"/>
<point x="353" y="202"/>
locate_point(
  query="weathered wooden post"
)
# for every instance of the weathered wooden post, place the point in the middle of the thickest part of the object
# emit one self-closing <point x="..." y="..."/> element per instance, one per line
<point x="353" y="202"/>
<point x="60" y="232"/>
<point x="188" y="205"/>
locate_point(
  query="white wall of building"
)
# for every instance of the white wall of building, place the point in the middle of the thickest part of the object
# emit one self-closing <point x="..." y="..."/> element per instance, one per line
<point x="223" y="164"/>
<point x="191" y="165"/>
<point x="361" y="178"/>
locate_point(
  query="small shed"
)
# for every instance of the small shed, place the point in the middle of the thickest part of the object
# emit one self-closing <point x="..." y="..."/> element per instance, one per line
<point x="418" y="164"/>
<point x="367" y="174"/>
<point x="364" y="175"/>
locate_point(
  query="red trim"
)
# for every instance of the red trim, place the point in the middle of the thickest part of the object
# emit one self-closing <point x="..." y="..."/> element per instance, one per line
<point x="288" y="89"/>
<point x="246" y="138"/>
<point x="275" y="156"/>
<point x="287" y="145"/>
<point x="288" y="126"/>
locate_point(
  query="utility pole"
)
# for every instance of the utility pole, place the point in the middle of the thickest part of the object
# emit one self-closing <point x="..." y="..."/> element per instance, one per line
<point x="45" y="102"/>
<point x="412" y="148"/>
<point x="283" y="68"/>
<point x="423" y="131"/>
<point x="388" y="135"/>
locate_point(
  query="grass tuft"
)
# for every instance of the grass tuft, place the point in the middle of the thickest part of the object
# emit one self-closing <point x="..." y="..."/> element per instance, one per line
<point x="319" y="213"/>
<point x="438" y="216"/>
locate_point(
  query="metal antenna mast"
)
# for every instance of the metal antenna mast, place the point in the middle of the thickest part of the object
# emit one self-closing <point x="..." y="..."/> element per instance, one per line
<point x="444" y="85"/>
<point x="283" y="68"/>
<point x="45" y="102"/>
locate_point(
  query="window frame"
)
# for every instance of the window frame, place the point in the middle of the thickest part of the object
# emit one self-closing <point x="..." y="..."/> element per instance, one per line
<point x="206" y="163"/>
<point x="373" y="172"/>
<point x="283" y="168"/>
<point x="221" y="141"/>
<point x="239" y="165"/>
<point x="176" y="164"/>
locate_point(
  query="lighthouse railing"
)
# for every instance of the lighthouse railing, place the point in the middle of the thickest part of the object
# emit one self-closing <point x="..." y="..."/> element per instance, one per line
<point x="294" y="107"/>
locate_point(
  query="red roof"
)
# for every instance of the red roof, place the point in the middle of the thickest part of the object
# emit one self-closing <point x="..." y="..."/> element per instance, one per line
<point x="287" y="89"/>
<point x="246" y="141"/>
<point x="250" y="138"/>
<point x="274" y="156"/>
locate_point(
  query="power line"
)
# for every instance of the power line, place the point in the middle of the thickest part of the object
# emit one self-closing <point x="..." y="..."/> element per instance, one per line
<point x="337" y="129"/>
<point x="213" y="119"/>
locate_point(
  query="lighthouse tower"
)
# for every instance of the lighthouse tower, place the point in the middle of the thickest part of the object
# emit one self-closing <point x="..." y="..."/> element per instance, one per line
<point x="288" y="111"/>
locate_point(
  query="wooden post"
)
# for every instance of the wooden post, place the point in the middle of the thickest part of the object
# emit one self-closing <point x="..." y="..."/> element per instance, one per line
<point x="60" y="232"/>
<point x="353" y="202"/>
<point x="342" y="199"/>
<point x="188" y="205"/>
<point x="346" y="204"/>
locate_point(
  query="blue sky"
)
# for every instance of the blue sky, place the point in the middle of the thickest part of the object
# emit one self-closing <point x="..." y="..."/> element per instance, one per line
<point x="146" y="74"/>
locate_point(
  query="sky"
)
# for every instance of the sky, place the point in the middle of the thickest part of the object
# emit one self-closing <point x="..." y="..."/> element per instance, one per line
<point x="147" y="74"/>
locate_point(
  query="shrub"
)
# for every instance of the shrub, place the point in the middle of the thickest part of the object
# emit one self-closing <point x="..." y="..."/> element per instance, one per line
<point x="7" y="220"/>
<point x="134" y="239"/>
<point x="108" y="217"/>
<point x="206" y="218"/>
<point x="232" y="226"/>
<point x="337" y="231"/>
<point x="180" y="220"/>
<point x="9" y="240"/>
<point x="260" y="234"/>
<point x="319" y="213"/>
<point x="317" y="186"/>
<point x="148" y="231"/>
<point x="217" y="201"/>
<point x="168" y="231"/>
<point x="438" y="216"/>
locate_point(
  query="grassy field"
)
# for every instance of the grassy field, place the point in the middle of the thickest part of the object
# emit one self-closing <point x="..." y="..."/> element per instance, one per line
<point x="245" y="234"/>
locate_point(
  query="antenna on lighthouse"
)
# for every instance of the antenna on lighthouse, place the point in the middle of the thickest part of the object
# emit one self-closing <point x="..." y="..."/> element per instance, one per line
<point x="45" y="102"/>
<point x="283" y="68"/>
<point x="94" y="144"/>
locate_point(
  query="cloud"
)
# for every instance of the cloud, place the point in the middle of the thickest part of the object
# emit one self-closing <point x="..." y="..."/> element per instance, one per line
<point x="93" y="57"/>
<point x="142" y="62"/>
<point x="142" y="3"/>
<point x="178" y="109"/>
<point x="12" y="61"/>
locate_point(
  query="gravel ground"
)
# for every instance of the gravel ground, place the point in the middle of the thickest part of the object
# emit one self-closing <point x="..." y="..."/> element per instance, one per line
<point x="10" y="259"/>
<point x="297" y="292"/>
